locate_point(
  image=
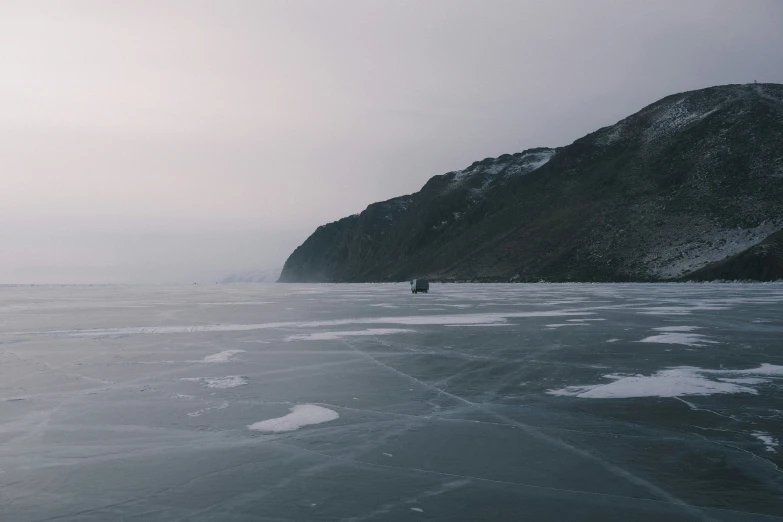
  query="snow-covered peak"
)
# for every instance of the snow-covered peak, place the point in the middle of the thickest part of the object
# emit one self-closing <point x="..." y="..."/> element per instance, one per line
<point x="504" y="166"/>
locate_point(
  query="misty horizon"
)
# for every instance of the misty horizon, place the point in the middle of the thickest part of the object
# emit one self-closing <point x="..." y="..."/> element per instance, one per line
<point x="178" y="142"/>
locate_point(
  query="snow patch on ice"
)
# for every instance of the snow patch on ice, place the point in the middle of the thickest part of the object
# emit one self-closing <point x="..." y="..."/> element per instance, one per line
<point x="678" y="337"/>
<point x="676" y="328"/>
<point x="202" y="411"/>
<point x="300" y="416"/>
<point x="770" y="443"/>
<point x="230" y="381"/>
<point x="764" y="369"/>
<point x="679" y="310"/>
<point x="478" y="318"/>
<point x="220" y="357"/>
<point x="331" y="336"/>
<point x="745" y="380"/>
<point x="672" y="382"/>
<point x="667" y="383"/>
<point x="480" y="325"/>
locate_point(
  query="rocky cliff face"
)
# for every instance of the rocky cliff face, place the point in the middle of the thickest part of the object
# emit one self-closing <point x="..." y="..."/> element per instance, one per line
<point x="670" y="191"/>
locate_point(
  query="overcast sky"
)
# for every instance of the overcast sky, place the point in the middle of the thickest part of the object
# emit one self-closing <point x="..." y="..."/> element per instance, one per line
<point x="175" y="141"/>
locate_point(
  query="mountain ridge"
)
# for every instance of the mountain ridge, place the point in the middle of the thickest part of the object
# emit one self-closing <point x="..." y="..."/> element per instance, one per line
<point x="685" y="182"/>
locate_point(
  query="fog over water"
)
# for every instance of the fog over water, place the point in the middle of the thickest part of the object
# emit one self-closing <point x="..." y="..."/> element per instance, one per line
<point x="176" y="141"/>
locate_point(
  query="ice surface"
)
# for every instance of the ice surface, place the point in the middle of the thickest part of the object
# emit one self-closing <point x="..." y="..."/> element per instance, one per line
<point x="301" y="415"/>
<point x="134" y="402"/>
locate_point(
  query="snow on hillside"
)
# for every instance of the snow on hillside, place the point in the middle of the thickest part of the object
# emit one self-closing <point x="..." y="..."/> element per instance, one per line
<point x="508" y="165"/>
<point x="686" y="255"/>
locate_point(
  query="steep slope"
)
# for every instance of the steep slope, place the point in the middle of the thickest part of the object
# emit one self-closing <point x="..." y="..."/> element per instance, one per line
<point x="685" y="183"/>
<point x="762" y="262"/>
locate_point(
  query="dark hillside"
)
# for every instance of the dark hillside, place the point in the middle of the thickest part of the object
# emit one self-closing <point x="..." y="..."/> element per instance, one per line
<point x="685" y="183"/>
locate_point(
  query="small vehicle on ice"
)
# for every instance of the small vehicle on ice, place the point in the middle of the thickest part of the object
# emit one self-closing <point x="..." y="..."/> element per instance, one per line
<point x="419" y="285"/>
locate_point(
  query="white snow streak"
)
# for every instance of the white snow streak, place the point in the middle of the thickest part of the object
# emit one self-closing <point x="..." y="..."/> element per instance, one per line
<point x="462" y="319"/>
<point x="770" y="443"/>
<point x="687" y="339"/>
<point x="220" y="357"/>
<point x="330" y="336"/>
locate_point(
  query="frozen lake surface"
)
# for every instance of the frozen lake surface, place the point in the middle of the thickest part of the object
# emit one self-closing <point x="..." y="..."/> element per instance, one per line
<point x="365" y="402"/>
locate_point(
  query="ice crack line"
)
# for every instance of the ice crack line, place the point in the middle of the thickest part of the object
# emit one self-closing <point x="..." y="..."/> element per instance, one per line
<point x="530" y="430"/>
<point x="694" y="509"/>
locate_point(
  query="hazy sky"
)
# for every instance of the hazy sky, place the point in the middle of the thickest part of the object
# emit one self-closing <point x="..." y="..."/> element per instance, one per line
<point x="174" y="141"/>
